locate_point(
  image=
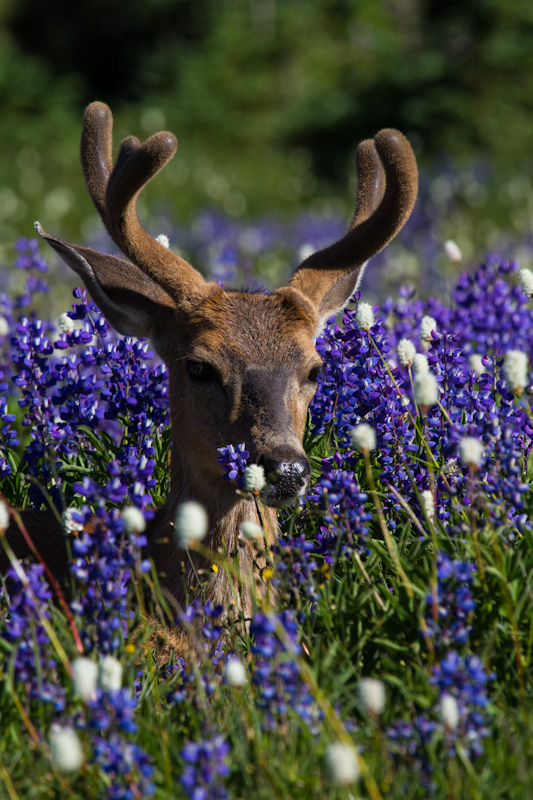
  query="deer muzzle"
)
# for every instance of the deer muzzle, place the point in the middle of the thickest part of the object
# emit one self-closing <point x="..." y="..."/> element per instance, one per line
<point x="287" y="474"/>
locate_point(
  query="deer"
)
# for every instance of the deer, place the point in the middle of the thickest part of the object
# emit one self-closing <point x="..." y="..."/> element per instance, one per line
<point x="242" y="366"/>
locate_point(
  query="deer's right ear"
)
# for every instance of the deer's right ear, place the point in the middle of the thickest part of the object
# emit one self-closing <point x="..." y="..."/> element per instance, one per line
<point x="129" y="299"/>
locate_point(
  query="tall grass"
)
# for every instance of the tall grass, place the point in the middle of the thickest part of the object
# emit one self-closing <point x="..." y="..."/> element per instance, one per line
<point x="410" y="561"/>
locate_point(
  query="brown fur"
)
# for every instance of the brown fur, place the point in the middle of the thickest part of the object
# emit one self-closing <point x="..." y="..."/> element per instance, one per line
<point x="258" y="348"/>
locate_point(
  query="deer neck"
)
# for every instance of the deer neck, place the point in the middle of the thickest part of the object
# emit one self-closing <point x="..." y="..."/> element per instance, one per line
<point x="231" y="572"/>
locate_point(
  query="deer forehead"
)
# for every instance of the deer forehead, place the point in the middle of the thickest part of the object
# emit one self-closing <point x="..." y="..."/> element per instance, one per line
<point x="245" y="329"/>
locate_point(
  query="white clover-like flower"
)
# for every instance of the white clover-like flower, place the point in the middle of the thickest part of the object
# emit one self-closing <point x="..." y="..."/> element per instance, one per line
<point x="470" y="451"/>
<point x="451" y="468"/>
<point x="420" y="364"/>
<point x="428" y="504"/>
<point x="452" y="251"/>
<point x="341" y="763"/>
<point x="515" y="369"/>
<point x="191" y="523"/>
<point x="4" y="517"/>
<point x="476" y="363"/>
<point x="372" y="695"/>
<point x="235" y="672"/>
<point x="525" y="277"/>
<point x="69" y="523"/>
<point x="305" y="251"/>
<point x="66" y="749"/>
<point x="364" y="316"/>
<point x="251" y="530"/>
<point x="85" y="677"/>
<point x="363" y="437"/>
<point x="163" y="239"/>
<point x="254" y="478"/>
<point x="426" y="389"/>
<point x="449" y="711"/>
<point x="110" y="673"/>
<point x="134" y="520"/>
<point x="4" y="327"/>
<point x="427" y="324"/>
<point x="406" y="352"/>
<point x="65" y="323"/>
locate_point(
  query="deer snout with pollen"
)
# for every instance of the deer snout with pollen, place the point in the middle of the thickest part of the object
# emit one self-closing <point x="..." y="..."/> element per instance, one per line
<point x="287" y="472"/>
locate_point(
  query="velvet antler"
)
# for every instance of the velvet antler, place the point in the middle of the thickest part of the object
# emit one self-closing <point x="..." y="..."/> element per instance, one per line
<point x="128" y="293"/>
<point x="386" y="192"/>
<point x="114" y="191"/>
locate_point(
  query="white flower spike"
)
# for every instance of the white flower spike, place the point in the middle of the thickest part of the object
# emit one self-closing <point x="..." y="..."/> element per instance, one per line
<point x="191" y="524"/>
<point x="363" y="437"/>
<point x="475" y="363"/>
<point x="470" y="451"/>
<point x="110" y="674"/>
<point x="65" y="323"/>
<point x="452" y="251"/>
<point x="235" y="672"/>
<point x="364" y="316"/>
<point x="4" y="517"/>
<point x="426" y="389"/>
<point x="134" y="520"/>
<point x="515" y="368"/>
<point x="254" y="478"/>
<point x="85" y="677"/>
<point x="525" y="276"/>
<point x="427" y="325"/>
<point x="69" y="524"/>
<point x="428" y="505"/>
<point x="449" y="711"/>
<point x="341" y="763"/>
<point x="66" y="749"/>
<point x="406" y="352"/>
<point x="251" y="530"/>
<point x="372" y="695"/>
<point x="420" y="364"/>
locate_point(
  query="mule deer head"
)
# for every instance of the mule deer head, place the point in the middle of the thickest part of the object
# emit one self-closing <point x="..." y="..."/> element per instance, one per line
<point x="242" y="366"/>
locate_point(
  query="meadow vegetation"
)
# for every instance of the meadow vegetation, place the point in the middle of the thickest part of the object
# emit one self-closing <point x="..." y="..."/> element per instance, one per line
<point x="393" y="655"/>
<point x="396" y="659"/>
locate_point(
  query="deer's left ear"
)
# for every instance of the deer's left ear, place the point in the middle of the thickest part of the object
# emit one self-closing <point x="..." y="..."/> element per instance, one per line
<point x="386" y="192"/>
<point x="130" y="300"/>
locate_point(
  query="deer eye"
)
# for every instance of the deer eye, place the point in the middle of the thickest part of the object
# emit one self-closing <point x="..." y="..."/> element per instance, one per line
<point x="313" y="374"/>
<point x="201" y="371"/>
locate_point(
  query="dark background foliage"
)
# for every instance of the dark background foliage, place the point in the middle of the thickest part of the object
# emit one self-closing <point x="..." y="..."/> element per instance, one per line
<point x="268" y="98"/>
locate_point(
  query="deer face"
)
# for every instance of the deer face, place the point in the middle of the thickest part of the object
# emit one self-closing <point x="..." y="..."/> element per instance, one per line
<point x="242" y="366"/>
<point x="245" y="371"/>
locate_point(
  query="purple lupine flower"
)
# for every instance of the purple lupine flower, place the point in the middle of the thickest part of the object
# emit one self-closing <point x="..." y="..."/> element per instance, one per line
<point x="297" y="571"/>
<point x="345" y="516"/>
<point x="275" y="673"/>
<point x="27" y="604"/>
<point x="454" y="602"/>
<point x="234" y="459"/>
<point x="206" y="766"/>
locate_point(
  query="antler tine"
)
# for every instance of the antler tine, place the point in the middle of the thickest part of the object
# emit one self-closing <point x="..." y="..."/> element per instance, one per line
<point x="114" y="191"/>
<point x="370" y="182"/>
<point x="386" y="194"/>
<point x="97" y="152"/>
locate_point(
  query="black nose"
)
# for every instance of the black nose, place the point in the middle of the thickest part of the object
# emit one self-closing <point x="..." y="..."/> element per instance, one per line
<point x="287" y="470"/>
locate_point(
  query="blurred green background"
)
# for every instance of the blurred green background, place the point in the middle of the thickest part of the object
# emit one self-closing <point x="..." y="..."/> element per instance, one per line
<point x="268" y="100"/>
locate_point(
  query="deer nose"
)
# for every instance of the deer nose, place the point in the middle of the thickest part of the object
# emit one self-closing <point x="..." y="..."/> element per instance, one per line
<point x="287" y="471"/>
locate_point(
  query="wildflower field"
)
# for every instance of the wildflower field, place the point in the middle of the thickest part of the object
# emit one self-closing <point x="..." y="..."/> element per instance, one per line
<point x="395" y="661"/>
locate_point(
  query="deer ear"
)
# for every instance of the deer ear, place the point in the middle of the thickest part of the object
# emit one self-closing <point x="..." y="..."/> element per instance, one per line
<point x="130" y="300"/>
